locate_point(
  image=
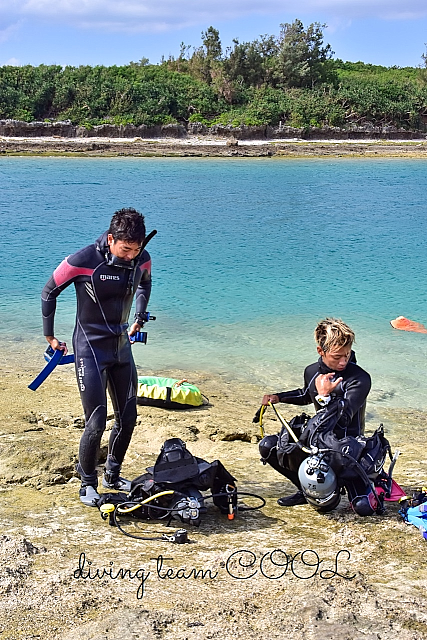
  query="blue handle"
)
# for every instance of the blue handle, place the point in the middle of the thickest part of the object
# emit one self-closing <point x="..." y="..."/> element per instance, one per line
<point x="56" y="358"/>
<point x="49" y="354"/>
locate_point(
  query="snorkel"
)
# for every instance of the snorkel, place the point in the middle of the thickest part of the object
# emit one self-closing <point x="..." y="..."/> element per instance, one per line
<point x="114" y="261"/>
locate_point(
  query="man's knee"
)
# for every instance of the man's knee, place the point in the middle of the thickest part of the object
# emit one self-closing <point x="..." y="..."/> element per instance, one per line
<point x="96" y="421"/>
<point x="127" y="421"/>
<point x="267" y="446"/>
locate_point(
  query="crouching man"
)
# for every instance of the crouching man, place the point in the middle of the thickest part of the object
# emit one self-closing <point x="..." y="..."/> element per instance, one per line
<point x="335" y="374"/>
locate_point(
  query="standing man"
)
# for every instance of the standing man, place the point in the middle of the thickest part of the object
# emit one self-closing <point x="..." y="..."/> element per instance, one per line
<point x="335" y="374"/>
<point x="106" y="275"/>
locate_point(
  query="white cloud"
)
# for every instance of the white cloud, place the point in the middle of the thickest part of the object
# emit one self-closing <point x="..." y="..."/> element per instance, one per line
<point x="7" y="28"/>
<point x="171" y="15"/>
<point x="12" y="62"/>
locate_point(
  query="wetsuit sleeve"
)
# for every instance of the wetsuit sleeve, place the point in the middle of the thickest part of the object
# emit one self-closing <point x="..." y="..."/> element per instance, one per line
<point x="143" y="290"/>
<point x="355" y="394"/>
<point x="297" y="396"/>
<point x="61" y="278"/>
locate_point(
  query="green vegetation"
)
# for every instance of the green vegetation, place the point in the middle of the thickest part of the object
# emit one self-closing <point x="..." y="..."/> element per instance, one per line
<point x="290" y="79"/>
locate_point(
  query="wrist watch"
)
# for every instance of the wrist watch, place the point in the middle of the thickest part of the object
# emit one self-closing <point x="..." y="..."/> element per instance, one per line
<point x="323" y="400"/>
<point x="140" y="318"/>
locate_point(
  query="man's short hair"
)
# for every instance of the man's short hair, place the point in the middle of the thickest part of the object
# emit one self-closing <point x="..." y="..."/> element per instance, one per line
<point x="128" y="224"/>
<point x="332" y="333"/>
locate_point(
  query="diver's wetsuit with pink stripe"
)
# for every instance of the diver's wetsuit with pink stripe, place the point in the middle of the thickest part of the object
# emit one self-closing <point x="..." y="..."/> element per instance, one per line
<point x="105" y="290"/>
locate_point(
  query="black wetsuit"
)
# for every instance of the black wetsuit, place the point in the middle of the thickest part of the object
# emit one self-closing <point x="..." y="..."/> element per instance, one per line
<point x="102" y="350"/>
<point x="354" y="389"/>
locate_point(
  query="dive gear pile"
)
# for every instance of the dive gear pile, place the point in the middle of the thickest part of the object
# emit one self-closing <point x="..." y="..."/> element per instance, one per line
<point x="172" y="490"/>
<point x="328" y="466"/>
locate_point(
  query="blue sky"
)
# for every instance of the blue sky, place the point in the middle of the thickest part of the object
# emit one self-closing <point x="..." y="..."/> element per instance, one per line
<point x="107" y="32"/>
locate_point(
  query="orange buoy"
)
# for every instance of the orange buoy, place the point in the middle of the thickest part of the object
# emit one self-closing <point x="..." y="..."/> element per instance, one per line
<point x="404" y="324"/>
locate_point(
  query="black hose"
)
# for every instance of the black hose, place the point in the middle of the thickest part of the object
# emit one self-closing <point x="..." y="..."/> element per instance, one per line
<point x="240" y="493"/>
<point x="131" y="535"/>
<point x="169" y="512"/>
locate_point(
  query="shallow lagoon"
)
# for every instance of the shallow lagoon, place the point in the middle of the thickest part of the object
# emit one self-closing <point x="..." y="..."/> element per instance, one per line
<point x="250" y="253"/>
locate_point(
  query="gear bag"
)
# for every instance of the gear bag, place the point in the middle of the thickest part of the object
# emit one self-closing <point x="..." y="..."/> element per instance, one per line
<point x="174" y="463"/>
<point x="307" y="430"/>
<point x="357" y="462"/>
<point x="352" y="457"/>
<point x="178" y="470"/>
<point x="289" y="453"/>
<point x="168" y="393"/>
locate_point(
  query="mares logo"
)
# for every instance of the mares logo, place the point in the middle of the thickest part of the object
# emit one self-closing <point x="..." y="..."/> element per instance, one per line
<point x="104" y="277"/>
<point x="81" y="375"/>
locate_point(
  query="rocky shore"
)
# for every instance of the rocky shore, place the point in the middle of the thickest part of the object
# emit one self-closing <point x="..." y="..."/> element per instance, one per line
<point x="200" y="148"/>
<point x="197" y="140"/>
<point x="359" y="578"/>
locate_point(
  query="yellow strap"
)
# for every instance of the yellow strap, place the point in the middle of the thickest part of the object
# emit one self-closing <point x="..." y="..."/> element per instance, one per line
<point x="263" y="408"/>
<point x="288" y="427"/>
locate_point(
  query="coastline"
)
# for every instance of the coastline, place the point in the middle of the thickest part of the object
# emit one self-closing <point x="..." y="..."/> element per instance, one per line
<point x="208" y="146"/>
<point x="377" y="588"/>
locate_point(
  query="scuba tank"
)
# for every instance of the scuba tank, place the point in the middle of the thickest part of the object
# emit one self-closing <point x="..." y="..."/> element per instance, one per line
<point x="319" y="483"/>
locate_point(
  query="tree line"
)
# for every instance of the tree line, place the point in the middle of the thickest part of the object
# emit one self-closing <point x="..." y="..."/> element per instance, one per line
<point x="291" y="79"/>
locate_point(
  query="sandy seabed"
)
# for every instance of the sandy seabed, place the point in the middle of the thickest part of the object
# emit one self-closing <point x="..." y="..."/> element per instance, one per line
<point x="62" y="567"/>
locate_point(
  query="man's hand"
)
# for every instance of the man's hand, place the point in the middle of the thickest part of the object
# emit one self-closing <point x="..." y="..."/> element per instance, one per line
<point x="325" y="385"/>
<point x="57" y="345"/>
<point x="270" y="398"/>
<point x="134" y="328"/>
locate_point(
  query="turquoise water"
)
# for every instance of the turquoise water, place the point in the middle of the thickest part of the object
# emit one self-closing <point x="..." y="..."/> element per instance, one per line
<point x="250" y="254"/>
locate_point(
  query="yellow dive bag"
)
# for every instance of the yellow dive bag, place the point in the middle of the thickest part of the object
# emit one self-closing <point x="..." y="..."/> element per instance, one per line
<point x="168" y="393"/>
